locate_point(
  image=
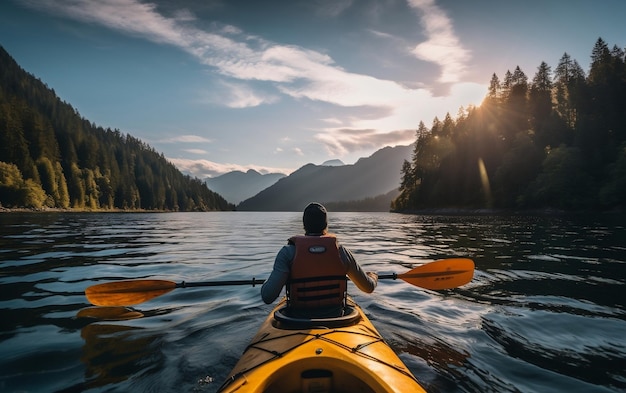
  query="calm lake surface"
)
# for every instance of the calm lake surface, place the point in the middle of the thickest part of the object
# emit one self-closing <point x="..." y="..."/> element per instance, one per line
<point x="546" y="311"/>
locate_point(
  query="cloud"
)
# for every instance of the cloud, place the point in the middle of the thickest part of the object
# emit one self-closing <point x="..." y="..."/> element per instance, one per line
<point x="332" y="120"/>
<point x="184" y="15"/>
<point x="298" y="72"/>
<point x="382" y="34"/>
<point x="123" y="15"/>
<point x="195" y="151"/>
<point x="442" y="46"/>
<point x="186" y="139"/>
<point x="296" y="150"/>
<point x="368" y="128"/>
<point x="205" y="168"/>
<point x="342" y="141"/>
<point x="291" y="70"/>
<point x="236" y="95"/>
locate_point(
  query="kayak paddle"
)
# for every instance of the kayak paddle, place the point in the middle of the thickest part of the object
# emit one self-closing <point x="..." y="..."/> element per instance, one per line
<point x="442" y="274"/>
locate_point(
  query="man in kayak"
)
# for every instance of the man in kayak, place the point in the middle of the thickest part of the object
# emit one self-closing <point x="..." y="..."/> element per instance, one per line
<point x="313" y="268"/>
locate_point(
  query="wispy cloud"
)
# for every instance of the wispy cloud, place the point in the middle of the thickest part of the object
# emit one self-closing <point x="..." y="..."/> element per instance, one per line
<point x="243" y="57"/>
<point x="343" y="141"/>
<point x="129" y="16"/>
<point x="186" y="139"/>
<point x="367" y="128"/>
<point x="205" y="168"/>
<point x="196" y="151"/>
<point x="295" y="150"/>
<point x="442" y="46"/>
<point x="294" y="71"/>
<point x="236" y="95"/>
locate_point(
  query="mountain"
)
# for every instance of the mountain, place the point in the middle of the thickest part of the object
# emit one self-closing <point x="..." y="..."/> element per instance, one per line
<point x="236" y="186"/>
<point x="333" y="163"/>
<point x="51" y="157"/>
<point x="368" y="178"/>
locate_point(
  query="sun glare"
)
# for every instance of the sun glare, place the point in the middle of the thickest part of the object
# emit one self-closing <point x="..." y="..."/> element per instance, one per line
<point x="484" y="178"/>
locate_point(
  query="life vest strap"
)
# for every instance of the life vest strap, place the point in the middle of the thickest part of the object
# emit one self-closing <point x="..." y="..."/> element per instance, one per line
<point x="314" y="279"/>
<point x="317" y="298"/>
<point x="319" y="288"/>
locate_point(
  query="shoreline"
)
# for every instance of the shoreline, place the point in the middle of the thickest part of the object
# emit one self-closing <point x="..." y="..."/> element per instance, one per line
<point x="424" y="212"/>
<point x="60" y="210"/>
<point x="505" y="212"/>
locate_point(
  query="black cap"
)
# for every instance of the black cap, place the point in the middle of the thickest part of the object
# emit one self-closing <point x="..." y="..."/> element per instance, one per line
<point x="314" y="218"/>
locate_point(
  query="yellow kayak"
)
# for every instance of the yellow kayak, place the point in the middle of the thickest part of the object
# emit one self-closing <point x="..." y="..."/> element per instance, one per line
<point x="345" y="354"/>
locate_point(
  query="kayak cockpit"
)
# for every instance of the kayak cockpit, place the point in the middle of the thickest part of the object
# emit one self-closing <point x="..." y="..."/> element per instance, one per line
<point x="283" y="320"/>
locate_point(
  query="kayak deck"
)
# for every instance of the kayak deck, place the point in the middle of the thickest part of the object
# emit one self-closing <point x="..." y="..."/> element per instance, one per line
<point x="349" y="356"/>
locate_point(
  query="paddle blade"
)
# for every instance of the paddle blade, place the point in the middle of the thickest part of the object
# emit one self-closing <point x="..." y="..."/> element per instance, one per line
<point x="127" y="293"/>
<point x="443" y="274"/>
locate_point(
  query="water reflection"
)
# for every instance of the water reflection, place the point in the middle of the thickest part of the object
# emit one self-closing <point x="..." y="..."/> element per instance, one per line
<point x="114" y="353"/>
<point x="109" y="313"/>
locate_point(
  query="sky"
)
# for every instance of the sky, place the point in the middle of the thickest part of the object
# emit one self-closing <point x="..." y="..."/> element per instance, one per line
<point x="223" y="85"/>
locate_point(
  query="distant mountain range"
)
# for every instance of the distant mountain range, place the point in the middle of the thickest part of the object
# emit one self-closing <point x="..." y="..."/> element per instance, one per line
<point x="333" y="163"/>
<point x="236" y="186"/>
<point x="368" y="178"/>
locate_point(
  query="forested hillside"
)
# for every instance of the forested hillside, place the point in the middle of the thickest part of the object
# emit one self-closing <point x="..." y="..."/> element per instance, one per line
<point x="52" y="157"/>
<point x="556" y="141"/>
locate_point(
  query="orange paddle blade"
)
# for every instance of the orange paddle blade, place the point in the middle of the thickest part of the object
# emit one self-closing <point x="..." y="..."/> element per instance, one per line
<point x="127" y="293"/>
<point x="443" y="274"/>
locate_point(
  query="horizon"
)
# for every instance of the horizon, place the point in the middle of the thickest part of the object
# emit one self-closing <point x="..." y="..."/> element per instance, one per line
<point x="223" y="86"/>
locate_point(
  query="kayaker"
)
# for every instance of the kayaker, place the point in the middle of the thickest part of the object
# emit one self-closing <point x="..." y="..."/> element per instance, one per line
<point x="313" y="268"/>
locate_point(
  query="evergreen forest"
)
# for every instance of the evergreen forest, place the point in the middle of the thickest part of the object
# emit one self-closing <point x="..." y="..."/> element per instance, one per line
<point x="557" y="141"/>
<point x="51" y="157"/>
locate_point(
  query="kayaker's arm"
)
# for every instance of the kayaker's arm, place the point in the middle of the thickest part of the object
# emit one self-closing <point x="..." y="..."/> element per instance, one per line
<point x="366" y="282"/>
<point x="273" y="286"/>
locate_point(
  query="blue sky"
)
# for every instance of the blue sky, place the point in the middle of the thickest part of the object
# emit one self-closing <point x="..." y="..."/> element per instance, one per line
<point x="221" y="85"/>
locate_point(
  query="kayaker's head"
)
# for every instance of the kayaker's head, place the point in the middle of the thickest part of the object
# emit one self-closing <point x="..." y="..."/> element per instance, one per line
<point x="314" y="219"/>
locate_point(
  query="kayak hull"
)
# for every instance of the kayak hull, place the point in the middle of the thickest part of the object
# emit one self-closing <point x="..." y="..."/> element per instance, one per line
<point x="348" y="355"/>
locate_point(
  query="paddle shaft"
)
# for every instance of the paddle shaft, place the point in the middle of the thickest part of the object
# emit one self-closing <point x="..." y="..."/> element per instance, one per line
<point x="252" y="282"/>
<point x="395" y="276"/>
<point x="255" y="282"/>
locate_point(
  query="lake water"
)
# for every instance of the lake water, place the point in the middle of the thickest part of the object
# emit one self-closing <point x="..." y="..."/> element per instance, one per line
<point x="546" y="311"/>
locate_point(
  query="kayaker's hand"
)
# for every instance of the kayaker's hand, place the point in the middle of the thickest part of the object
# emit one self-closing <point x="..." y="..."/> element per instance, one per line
<point x="373" y="276"/>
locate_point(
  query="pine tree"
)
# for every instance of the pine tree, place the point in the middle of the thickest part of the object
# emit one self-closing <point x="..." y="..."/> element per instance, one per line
<point x="569" y="81"/>
<point x="546" y="127"/>
<point x="494" y="91"/>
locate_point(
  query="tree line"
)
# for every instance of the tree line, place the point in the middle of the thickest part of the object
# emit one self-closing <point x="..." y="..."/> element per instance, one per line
<point x="51" y="157"/>
<point x="557" y="141"/>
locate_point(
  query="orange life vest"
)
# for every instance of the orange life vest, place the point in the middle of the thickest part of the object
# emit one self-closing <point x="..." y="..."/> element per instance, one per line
<point x="317" y="278"/>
